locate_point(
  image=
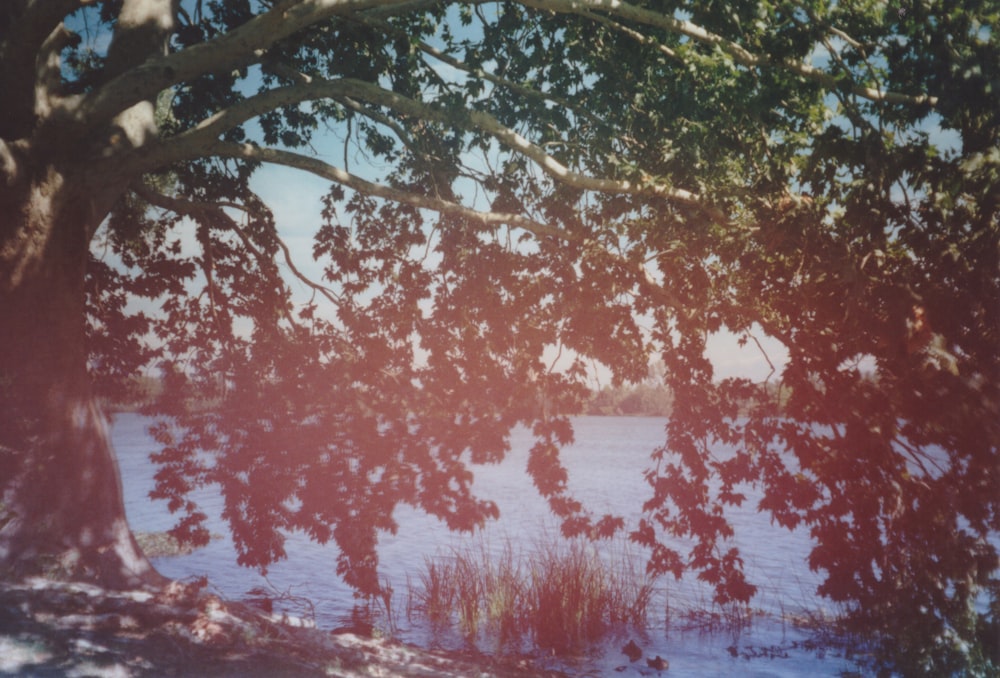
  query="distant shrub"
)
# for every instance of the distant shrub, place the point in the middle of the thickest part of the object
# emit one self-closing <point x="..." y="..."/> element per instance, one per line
<point x="640" y="400"/>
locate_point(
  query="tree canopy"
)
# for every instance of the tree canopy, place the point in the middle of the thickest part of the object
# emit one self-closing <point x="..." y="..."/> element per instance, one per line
<point x="521" y="191"/>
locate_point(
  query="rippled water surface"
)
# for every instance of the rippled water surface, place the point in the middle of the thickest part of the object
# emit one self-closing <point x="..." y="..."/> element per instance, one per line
<point x="605" y="467"/>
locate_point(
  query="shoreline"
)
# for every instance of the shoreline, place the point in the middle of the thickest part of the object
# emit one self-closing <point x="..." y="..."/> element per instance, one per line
<point x="59" y="628"/>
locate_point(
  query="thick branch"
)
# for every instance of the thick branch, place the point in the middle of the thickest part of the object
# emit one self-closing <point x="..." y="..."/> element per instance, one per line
<point x="487" y="123"/>
<point x="48" y="65"/>
<point x="21" y="47"/>
<point x="142" y="30"/>
<point x="30" y="28"/>
<point x="233" y="49"/>
<point x="736" y="51"/>
<point x="327" y="171"/>
<point x="10" y="163"/>
<point x="641" y="38"/>
<point x="191" y="143"/>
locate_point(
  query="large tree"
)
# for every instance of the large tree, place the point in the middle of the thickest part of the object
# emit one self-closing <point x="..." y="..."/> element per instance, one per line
<point x="522" y="190"/>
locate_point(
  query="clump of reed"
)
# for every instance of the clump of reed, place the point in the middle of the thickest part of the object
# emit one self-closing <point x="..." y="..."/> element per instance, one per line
<point x="561" y="596"/>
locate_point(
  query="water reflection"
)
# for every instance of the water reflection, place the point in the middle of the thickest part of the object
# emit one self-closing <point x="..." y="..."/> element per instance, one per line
<point x="605" y="467"/>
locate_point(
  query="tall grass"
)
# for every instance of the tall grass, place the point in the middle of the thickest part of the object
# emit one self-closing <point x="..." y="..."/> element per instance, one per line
<point x="561" y="596"/>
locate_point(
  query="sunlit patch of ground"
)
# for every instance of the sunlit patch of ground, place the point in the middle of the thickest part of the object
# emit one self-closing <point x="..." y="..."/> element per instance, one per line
<point x="56" y="628"/>
<point x="161" y="544"/>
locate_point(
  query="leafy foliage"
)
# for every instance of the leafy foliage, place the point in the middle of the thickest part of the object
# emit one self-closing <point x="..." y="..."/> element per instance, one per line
<point x="603" y="184"/>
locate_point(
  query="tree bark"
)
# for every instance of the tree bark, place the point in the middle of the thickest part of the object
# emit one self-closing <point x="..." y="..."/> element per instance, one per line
<point x="61" y="504"/>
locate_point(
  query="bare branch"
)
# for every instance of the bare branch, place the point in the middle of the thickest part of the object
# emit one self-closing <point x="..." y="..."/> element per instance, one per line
<point x="371" y="114"/>
<point x="215" y="211"/>
<point x="329" y="294"/>
<point x="767" y="358"/>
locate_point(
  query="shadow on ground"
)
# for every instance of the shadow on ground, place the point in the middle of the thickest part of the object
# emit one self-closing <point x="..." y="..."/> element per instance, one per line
<point x="66" y="629"/>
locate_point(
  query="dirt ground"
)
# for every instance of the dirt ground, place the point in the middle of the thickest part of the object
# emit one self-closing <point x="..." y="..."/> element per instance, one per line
<point x="52" y="628"/>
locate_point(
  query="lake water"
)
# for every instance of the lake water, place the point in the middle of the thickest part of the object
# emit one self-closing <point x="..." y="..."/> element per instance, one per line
<point x="605" y="467"/>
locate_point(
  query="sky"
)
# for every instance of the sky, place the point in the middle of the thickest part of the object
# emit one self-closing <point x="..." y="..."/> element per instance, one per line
<point x="295" y="199"/>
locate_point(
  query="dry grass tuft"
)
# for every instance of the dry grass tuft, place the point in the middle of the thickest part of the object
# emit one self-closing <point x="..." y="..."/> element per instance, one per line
<point x="562" y="596"/>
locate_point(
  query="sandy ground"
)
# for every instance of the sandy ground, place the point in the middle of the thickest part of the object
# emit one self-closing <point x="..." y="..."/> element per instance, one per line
<point x="66" y="629"/>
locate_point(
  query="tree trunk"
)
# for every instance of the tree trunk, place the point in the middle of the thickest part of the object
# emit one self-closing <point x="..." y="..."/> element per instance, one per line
<point x="61" y="507"/>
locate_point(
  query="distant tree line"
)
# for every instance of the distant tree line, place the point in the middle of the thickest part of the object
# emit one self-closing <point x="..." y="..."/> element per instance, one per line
<point x="646" y="399"/>
<point x="649" y="398"/>
<point x="636" y="400"/>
